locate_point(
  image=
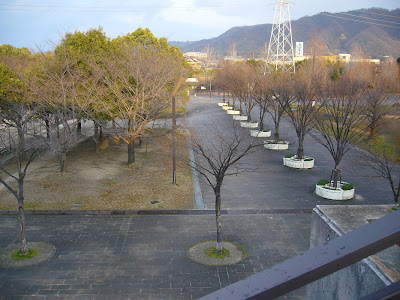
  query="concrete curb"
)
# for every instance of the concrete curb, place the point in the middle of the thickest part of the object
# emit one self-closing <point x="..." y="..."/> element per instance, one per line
<point x="159" y="212"/>
<point x="198" y="197"/>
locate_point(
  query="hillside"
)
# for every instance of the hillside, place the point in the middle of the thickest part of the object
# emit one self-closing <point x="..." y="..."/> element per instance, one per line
<point x="340" y="35"/>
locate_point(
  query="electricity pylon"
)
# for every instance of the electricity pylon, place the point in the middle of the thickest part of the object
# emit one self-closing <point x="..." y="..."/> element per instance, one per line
<point x="280" y="50"/>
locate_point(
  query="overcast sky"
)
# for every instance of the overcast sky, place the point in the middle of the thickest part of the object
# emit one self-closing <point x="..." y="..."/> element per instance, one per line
<point x="34" y="23"/>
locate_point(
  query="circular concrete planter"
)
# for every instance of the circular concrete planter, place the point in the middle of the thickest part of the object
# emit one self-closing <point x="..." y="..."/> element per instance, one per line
<point x="227" y="107"/>
<point x="222" y="104"/>
<point x="240" y="118"/>
<point x="233" y="112"/>
<point x="272" y="145"/>
<point x="304" y="163"/>
<point x="327" y="192"/>
<point x="258" y="133"/>
<point x="249" y="124"/>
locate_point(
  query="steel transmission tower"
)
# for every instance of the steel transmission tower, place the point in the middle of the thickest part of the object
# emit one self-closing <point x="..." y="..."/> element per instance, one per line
<point x="280" y="50"/>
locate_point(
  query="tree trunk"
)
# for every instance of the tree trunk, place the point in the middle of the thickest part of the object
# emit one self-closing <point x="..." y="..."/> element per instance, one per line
<point x="101" y="133"/>
<point x="47" y="122"/>
<point x="276" y="134"/>
<point x="396" y="191"/>
<point x="113" y="124"/>
<point x="218" y="216"/>
<point x="371" y="133"/>
<point x="24" y="247"/>
<point x="300" y="149"/>
<point x="21" y="137"/>
<point x="131" y="152"/>
<point x="58" y="127"/>
<point x="79" y="127"/>
<point x="63" y="162"/>
<point x="96" y="129"/>
<point x="336" y="176"/>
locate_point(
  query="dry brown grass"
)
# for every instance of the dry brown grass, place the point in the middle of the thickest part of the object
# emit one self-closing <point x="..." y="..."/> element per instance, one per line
<point x="104" y="181"/>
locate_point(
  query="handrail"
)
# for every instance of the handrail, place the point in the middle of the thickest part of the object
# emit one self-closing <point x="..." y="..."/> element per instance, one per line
<point x="316" y="263"/>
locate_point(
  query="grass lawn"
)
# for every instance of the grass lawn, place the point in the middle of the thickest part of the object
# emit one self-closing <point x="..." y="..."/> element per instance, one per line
<point x="103" y="180"/>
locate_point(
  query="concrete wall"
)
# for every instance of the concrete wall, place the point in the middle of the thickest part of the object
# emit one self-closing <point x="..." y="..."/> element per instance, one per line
<point x="354" y="281"/>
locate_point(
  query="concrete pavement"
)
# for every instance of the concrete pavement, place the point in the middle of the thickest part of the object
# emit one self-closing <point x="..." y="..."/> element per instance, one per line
<point x="271" y="185"/>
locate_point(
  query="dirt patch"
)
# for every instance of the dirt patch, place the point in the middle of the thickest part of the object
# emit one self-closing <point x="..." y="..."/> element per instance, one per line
<point x="103" y="180"/>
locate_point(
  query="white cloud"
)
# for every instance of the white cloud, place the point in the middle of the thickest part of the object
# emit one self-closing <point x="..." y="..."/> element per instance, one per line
<point x="186" y="11"/>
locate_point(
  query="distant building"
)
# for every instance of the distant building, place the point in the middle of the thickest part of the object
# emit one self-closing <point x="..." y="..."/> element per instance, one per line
<point x="233" y="58"/>
<point x="195" y="54"/>
<point x="194" y="62"/>
<point x="346" y="58"/>
<point x="299" y="49"/>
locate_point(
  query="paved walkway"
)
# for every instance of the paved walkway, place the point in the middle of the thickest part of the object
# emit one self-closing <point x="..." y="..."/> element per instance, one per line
<point x="144" y="256"/>
<point x="274" y="186"/>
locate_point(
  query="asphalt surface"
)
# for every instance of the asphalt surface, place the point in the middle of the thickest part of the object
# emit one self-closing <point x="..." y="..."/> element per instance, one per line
<point x="141" y="256"/>
<point x="270" y="184"/>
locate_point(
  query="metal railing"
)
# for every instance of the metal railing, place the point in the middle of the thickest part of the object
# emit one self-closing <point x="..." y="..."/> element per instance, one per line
<point x="319" y="262"/>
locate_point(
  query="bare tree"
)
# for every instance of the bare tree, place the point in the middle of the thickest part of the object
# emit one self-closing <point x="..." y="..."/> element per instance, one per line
<point x="134" y="87"/>
<point x="57" y="86"/>
<point x="16" y="113"/>
<point x="241" y="81"/>
<point x="262" y="95"/>
<point x="208" y="65"/>
<point x="382" y="84"/>
<point x="317" y="48"/>
<point x="281" y="90"/>
<point x="305" y="90"/>
<point x="217" y="150"/>
<point x="381" y="159"/>
<point x="341" y="118"/>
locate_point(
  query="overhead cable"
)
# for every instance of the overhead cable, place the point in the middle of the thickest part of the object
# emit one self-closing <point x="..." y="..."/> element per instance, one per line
<point x="360" y="21"/>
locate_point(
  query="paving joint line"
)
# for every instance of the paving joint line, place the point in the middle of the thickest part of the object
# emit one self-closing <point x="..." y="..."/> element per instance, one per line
<point x="160" y="212"/>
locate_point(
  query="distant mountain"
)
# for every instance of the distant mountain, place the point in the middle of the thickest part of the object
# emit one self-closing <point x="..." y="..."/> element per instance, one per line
<point x="340" y="34"/>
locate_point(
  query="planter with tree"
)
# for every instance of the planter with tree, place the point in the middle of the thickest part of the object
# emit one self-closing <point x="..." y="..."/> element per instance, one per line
<point x="227" y="107"/>
<point x="341" y="126"/>
<point x="262" y="96"/>
<point x="249" y="124"/>
<point x="279" y="88"/>
<point x="233" y="112"/>
<point x="239" y="117"/>
<point x="215" y="156"/>
<point x="291" y="161"/>
<point x="300" y="107"/>
<point x="342" y="191"/>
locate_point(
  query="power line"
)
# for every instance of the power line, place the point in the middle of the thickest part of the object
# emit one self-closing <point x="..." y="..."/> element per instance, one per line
<point x="374" y="13"/>
<point x="361" y="21"/>
<point x="343" y="13"/>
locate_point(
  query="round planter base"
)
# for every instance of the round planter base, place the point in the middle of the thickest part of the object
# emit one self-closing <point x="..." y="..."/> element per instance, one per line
<point x="226" y="107"/>
<point x="258" y="133"/>
<point x="338" y="194"/>
<point x="222" y="104"/>
<point x="233" y="112"/>
<point x="240" y="118"/>
<point x="249" y="124"/>
<point x="272" y="145"/>
<point x="293" y="162"/>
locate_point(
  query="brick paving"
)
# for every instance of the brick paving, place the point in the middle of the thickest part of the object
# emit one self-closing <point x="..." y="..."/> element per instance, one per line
<point x="144" y="257"/>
